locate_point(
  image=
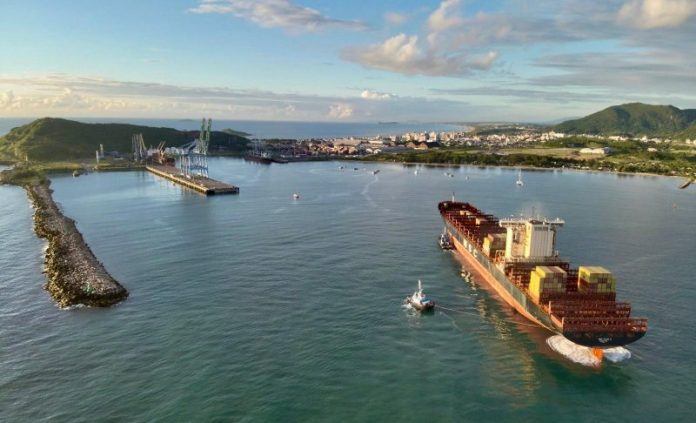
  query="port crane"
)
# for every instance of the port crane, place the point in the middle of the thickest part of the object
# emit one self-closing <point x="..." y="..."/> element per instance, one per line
<point x="193" y="157"/>
<point x="139" y="149"/>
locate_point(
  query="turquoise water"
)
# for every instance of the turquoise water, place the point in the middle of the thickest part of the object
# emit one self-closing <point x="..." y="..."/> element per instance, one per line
<point x="260" y="308"/>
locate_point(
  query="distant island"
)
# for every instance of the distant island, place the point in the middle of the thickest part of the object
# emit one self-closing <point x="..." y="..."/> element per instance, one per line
<point x="231" y="131"/>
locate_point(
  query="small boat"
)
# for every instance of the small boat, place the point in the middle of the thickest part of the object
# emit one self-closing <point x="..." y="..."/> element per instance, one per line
<point x="419" y="300"/>
<point x="263" y="158"/>
<point x="686" y="183"/>
<point x="519" y="179"/>
<point x="445" y="241"/>
<point x="295" y="196"/>
<point x="355" y="168"/>
<point x="76" y="173"/>
<point x="340" y="168"/>
<point x="415" y="172"/>
<point x="374" y="172"/>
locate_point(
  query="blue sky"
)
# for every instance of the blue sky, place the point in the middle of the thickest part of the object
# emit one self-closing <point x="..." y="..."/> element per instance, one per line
<point x="360" y="60"/>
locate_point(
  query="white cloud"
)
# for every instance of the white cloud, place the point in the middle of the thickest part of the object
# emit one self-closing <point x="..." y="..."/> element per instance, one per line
<point x="485" y="61"/>
<point x="276" y="13"/>
<point x="7" y="100"/>
<point x="375" y="95"/>
<point x="445" y="17"/>
<point x="649" y="14"/>
<point x="340" y="111"/>
<point x="438" y="56"/>
<point x="394" y="18"/>
<point x="75" y="95"/>
<point x="401" y="53"/>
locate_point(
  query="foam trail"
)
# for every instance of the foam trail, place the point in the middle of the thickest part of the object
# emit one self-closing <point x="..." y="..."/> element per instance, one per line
<point x="366" y="192"/>
<point x="573" y="352"/>
<point x="617" y="354"/>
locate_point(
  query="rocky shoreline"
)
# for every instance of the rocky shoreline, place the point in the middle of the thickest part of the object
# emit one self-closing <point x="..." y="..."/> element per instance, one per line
<point x="75" y="276"/>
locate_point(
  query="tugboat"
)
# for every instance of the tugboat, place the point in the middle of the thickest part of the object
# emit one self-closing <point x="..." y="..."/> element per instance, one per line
<point x="419" y="301"/>
<point x="445" y="241"/>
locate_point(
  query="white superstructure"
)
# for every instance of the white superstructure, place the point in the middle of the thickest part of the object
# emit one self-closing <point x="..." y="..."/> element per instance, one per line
<point x="530" y="238"/>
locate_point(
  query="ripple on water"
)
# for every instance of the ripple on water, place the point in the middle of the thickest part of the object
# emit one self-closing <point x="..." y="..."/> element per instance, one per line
<point x="258" y="308"/>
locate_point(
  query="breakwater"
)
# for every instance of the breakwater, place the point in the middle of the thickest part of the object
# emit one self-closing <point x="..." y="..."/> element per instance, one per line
<point x="74" y="274"/>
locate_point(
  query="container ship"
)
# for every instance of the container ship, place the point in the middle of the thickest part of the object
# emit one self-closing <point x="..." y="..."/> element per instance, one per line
<point x="517" y="257"/>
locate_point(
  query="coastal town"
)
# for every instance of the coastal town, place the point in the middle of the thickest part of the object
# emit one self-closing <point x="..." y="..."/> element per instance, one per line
<point x="487" y="139"/>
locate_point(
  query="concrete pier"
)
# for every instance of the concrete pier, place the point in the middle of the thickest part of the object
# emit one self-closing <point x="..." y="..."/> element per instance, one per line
<point x="200" y="184"/>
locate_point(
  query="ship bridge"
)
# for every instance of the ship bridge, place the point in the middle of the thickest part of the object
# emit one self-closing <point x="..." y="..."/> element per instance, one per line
<point x="530" y="239"/>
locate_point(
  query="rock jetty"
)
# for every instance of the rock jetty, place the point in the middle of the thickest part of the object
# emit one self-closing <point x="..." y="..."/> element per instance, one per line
<point x="75" y="276"/>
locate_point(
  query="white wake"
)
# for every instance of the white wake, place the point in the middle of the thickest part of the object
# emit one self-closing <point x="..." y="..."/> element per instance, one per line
<point x="583" y="355"/>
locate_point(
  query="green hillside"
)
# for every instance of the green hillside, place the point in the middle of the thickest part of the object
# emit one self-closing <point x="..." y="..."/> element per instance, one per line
<point x="688" y="133"/>
<point x="51" y="139"/>
<point x="635" y="119"/>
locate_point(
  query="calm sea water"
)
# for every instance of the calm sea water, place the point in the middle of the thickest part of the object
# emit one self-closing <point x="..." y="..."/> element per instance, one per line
<point x="269" y="129"/>
<point x="260" y="308"/>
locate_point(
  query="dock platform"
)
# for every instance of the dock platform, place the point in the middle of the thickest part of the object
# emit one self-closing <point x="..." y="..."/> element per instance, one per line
<point x="200" y="184"/>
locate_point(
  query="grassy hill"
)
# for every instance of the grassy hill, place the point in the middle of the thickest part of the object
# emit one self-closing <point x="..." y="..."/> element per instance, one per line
<point x="688" y="133"/>
<point x="51" y="139"/>
<point x="635" y="119"/>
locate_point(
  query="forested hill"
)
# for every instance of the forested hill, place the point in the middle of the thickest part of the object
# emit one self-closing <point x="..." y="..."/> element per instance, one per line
<point x="52" y="139"/>
<point x="635" y="119"/>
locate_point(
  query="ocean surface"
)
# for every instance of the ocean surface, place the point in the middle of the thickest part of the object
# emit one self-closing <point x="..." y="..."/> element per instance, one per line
<point x="269" y="129"/>
<point x="258" y="307"/>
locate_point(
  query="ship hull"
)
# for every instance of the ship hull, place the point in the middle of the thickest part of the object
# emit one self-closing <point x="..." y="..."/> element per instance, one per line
<point x="257" y="159"/>
<point x="505" y="289"/>
<point x="603" y="340"/>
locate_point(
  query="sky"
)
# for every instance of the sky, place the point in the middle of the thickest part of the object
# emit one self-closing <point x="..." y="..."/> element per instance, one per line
<point x="354" y="61"/>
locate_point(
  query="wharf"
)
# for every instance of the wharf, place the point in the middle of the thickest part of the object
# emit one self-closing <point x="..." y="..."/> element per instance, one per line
<point x="201" y="184"/>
